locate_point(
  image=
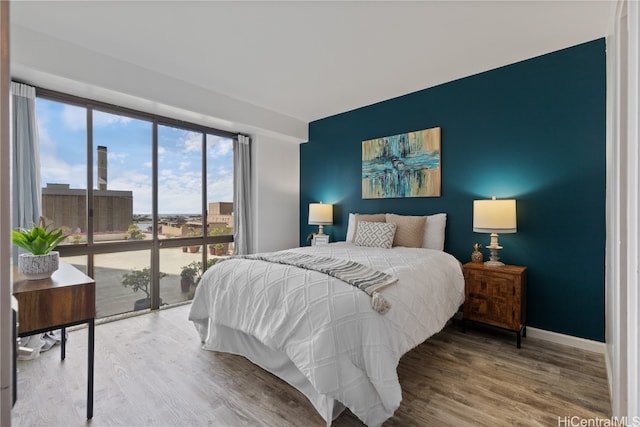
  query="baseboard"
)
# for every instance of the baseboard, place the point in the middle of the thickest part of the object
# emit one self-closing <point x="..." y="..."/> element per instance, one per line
<point x="581" y="343"/>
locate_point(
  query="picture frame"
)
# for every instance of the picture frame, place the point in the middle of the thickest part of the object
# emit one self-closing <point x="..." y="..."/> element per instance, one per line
<point x="403" y="165"/>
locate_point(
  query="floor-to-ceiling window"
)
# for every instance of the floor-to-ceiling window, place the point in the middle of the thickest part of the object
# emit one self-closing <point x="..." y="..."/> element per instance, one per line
<point x="146" y="201"/>
<point x="180" y="186"/>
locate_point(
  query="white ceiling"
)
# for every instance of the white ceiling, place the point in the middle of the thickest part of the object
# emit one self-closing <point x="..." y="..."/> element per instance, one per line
<point x="310" y="60"/>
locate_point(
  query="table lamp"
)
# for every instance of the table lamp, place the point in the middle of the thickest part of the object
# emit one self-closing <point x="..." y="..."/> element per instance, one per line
<point x="320" y="214"/>
<point x="494" y="216"/>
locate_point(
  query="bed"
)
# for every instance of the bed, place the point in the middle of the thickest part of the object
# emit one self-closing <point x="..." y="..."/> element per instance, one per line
<point x="322" y="335"/>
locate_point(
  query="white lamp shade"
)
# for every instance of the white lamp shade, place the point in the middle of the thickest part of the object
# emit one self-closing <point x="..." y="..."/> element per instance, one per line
<point x="494" y="216"/>
<point x="320" y="214"/>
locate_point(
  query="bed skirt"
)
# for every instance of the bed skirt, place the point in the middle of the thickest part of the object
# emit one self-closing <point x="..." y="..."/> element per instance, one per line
<point x="225" y="339"/>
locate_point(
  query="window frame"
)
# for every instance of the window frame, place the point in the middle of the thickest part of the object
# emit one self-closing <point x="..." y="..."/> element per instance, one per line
<point x="90" y="248"/>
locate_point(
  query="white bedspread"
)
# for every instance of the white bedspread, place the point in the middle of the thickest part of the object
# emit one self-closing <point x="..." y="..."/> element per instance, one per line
<point x="327" y="327"/>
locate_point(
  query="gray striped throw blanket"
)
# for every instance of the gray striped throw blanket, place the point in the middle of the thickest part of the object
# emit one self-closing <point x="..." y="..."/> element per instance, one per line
<point x="360" y="276"/>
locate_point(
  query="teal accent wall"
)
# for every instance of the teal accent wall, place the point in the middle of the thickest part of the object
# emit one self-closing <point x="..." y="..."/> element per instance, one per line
<point x="533" y="131"/>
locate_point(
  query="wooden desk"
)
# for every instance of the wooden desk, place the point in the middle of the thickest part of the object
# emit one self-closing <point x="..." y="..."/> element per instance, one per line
<point x="66" y="299"/>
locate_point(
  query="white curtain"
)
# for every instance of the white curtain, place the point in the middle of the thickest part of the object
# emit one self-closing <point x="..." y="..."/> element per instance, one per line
<point x="242" y="195"/>
<point x="26" y="188"/>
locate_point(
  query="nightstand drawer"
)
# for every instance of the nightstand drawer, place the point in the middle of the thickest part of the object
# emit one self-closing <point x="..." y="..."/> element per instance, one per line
<point x="493" y="311"/>
<point x="490" y="277"/>
<point x="497" y="286"/>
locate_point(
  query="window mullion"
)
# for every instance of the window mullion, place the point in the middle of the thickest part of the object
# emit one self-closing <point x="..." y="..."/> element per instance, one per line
<point x="155" y="251"/>
<point x="204" y="209"/>
<point x="89" y="195"/>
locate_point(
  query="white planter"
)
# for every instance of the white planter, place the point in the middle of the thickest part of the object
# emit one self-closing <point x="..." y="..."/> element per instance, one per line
<point x="36" y="267"/>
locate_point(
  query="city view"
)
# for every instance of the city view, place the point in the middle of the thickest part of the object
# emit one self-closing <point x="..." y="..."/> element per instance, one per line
<point x="180" y="267"/>
<point x="121" y="164"/>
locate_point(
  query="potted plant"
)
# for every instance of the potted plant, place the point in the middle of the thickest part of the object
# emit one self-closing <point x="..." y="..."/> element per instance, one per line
<point x="219" y="248"/>
<point x="194" y="248"/>
<point x="39" y="241"/>
<point x="191" y="274"/>
<point x="187" y="277"/>
<point x="140" y="280"/>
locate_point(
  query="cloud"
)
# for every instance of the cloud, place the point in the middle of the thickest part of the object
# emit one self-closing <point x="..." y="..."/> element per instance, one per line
<point x="192" y="142"/>
<point x="161" y="153"/>
<point x="44" y="138"/>
<point x="74" y="118"/>
<point x="117" y="157"/>
<point x="138" y="183"/>
<point x="101" y="119"/>
<point x="220" y="184"/>
<point x="219" y="148"/>
<point x="58" y="171"/>
<point x="179" y="193"/>
<point x="220" y="189"/>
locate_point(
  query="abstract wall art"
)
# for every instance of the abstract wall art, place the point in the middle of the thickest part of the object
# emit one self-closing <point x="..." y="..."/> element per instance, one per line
<point x="404" y="165"/>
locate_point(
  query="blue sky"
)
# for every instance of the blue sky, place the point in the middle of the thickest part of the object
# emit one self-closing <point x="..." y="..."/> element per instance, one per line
<point x="63" y="153"/>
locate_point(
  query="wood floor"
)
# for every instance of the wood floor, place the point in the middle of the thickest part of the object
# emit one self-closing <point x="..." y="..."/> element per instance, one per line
<point x="150" y="371"/>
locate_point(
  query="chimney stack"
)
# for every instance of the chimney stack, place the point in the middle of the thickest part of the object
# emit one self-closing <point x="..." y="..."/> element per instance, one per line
<point x="102" y="167"/>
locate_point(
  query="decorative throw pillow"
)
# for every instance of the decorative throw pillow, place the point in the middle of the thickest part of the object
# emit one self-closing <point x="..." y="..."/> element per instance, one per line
<point x="375" y="234"/>
<point x="352" y="226"/>
<point x="409" y="230"/>
<point x="434" y="231"/>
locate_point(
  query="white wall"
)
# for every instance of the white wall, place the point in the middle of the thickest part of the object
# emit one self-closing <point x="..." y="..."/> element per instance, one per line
<point x="55" y="64"/>
<point x="276" y="177"/>
<point x="623" y="212"/>
<point x="614" y="224"/>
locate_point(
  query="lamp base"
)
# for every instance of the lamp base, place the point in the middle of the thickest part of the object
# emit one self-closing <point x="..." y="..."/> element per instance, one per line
<point x="494" y="247"/>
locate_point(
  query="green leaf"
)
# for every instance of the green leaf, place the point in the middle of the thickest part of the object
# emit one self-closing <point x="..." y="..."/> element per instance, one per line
<point x="38" y="240"/>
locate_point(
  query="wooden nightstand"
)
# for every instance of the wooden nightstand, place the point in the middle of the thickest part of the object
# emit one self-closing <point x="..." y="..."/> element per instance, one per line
<point x="320" y="239"/>
<point x="496" y="296"/>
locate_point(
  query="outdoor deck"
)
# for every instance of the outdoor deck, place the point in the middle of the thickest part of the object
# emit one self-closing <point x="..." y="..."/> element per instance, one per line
<point x="113" y="298"/>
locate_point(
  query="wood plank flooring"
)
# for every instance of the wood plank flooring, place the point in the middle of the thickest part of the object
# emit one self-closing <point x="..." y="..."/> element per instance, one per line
<point x="150" y="371"/>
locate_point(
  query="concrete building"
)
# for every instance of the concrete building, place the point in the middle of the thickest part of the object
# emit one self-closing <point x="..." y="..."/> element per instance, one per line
<point x="64" y="206"/>
<point x="220" y="214"/>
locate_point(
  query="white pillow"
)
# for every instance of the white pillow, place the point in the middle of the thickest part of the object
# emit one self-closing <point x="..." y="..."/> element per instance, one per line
<point x="351" y="228"/>
<point x="375" y="234"/>
<point x="434" y="231"/>
<point x="354" y="218"/>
